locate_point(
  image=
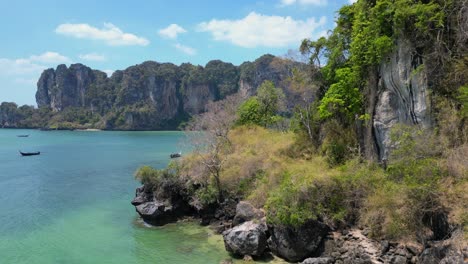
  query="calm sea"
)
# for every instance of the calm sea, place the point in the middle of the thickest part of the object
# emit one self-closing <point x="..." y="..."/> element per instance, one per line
<point x="71" y="204"/>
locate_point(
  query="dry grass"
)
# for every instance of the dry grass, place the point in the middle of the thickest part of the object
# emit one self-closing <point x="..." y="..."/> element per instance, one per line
<point x="260" y="168"/>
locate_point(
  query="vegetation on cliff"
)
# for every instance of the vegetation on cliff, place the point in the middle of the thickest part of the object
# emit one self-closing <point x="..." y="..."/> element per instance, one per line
<point x="148" y="96"/>
<point x="317" y="168"/>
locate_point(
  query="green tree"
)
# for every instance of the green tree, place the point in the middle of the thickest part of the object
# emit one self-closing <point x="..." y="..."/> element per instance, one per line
<point x="249" y="112"/>
<point x="262" y="109"/>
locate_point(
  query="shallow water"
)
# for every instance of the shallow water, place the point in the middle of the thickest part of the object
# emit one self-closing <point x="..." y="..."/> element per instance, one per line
<point x="71" y="204"/>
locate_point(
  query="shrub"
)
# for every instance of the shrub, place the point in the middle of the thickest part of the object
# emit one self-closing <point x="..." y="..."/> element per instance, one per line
<point x="154" y="179"/>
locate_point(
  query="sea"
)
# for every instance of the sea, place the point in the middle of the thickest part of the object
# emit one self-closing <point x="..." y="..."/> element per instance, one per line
<point x="71" y="203"/>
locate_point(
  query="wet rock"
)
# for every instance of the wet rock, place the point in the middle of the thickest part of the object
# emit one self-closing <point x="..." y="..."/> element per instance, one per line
<point x="156" y="213"/>
<point x="247" y="239"/>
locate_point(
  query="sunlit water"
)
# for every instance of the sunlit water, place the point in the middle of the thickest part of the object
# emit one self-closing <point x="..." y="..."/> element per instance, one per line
<point x="71" y="204"/>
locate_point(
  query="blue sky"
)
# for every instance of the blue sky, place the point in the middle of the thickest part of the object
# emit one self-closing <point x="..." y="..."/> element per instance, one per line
<point x="111" y="35"/>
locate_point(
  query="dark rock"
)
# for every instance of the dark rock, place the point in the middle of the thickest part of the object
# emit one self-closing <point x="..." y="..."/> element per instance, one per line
<point x="397" y="259"/>
<point x="157" y="213"/>
<point x="384" y="246"/>
<point x="246" y="212"/>
<point x="248" y="238"/>
<point x="414" y="250"/>
<point x="438" y="223"/>
<point x="297" y="243"/>
<point x="225" y="211"/>
<point x="317" y="261"/>
<point x="442" y="253"/>
<point x="138" y="200"/>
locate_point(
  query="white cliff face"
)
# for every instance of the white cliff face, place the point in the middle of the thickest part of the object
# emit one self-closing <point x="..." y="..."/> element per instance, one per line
<point x="403" y="94"/>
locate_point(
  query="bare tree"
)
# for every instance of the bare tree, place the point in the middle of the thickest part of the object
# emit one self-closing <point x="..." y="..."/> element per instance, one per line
<point x="209" y="136"/>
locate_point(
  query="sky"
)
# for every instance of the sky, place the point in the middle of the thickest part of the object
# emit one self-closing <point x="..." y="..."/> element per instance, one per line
<point x="113" y="35"/>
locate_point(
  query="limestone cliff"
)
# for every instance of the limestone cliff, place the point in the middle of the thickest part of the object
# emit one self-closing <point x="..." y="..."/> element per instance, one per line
<point x="402" y="94"/>
<point x="151" y="95"/>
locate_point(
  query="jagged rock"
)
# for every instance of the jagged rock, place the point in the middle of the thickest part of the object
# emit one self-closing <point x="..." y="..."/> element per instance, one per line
<point x="161" y="205"/>
<point x="246" y="212"/>
<point x="226" y="210"/>
<point x="318" y="261"/>
<point x="443" y="253"/>
<point x="297" y="243"/>
<point x="156" y="213"/>
<point x="403" y="94"/>
<point x="248" y="239"/>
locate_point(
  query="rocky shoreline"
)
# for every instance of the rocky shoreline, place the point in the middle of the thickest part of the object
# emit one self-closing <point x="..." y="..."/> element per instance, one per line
<point x="247" y="234"/>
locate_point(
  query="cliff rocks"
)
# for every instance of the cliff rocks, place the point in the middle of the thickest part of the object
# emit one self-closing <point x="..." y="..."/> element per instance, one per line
<point x="402" y="94"/>
<point x="151" y="95"/>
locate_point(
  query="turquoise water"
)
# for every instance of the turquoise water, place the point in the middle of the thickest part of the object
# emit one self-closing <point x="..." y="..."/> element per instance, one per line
<point x="71" y="204"/>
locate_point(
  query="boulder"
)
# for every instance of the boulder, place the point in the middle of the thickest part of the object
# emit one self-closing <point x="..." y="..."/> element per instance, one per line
<point x="297" y="243"/>
<point x="444" y="253"/>
<point x="247" y="239"/>
<point x="157" y="213"/>
<point x="246" y="212"/>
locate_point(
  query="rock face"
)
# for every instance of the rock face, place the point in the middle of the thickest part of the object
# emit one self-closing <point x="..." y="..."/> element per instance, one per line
<point x="151" y="95"/>
<point x="246" y="212"/>
<point x="403" y="95"/>
<point x="65" y="87"/>
<point x="8" y="115"/>
<point x="160" y="208"/>
<point x="248" y="239"/>
<point x="297" y="243"/>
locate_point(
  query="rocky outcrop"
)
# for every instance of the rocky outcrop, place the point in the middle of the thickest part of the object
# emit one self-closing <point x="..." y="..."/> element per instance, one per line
<point x="297" y="243"/>
<point x="247" y="239"/>
<point x="151" y="95"/>
<point x="9" y="116"/>
<point x="403" y="95"/>
<point x="65" y="87"/>
<point x="352" y="246"/>
<point x="160" y="207"/>
<point x="245" y="211"/>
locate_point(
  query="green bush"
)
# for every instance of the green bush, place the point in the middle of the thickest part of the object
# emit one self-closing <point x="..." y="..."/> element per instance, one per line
<point x="155" y="178"/>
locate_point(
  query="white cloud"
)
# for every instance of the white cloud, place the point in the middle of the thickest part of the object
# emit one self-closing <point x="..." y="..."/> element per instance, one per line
<point x="352" y="1"/>
<point x="261" y="30"/>
<point x="109" y="72"/>
<point x="186" y="49"/>
<point x="92" y="57"/>
<point x="49" y="57"/>
<point x="304" y="2"/>
<point x="110" y="34"/>
<point x="32" y="65"/>
<point x="171" y="31"/>
<point x="18" y="67"/>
